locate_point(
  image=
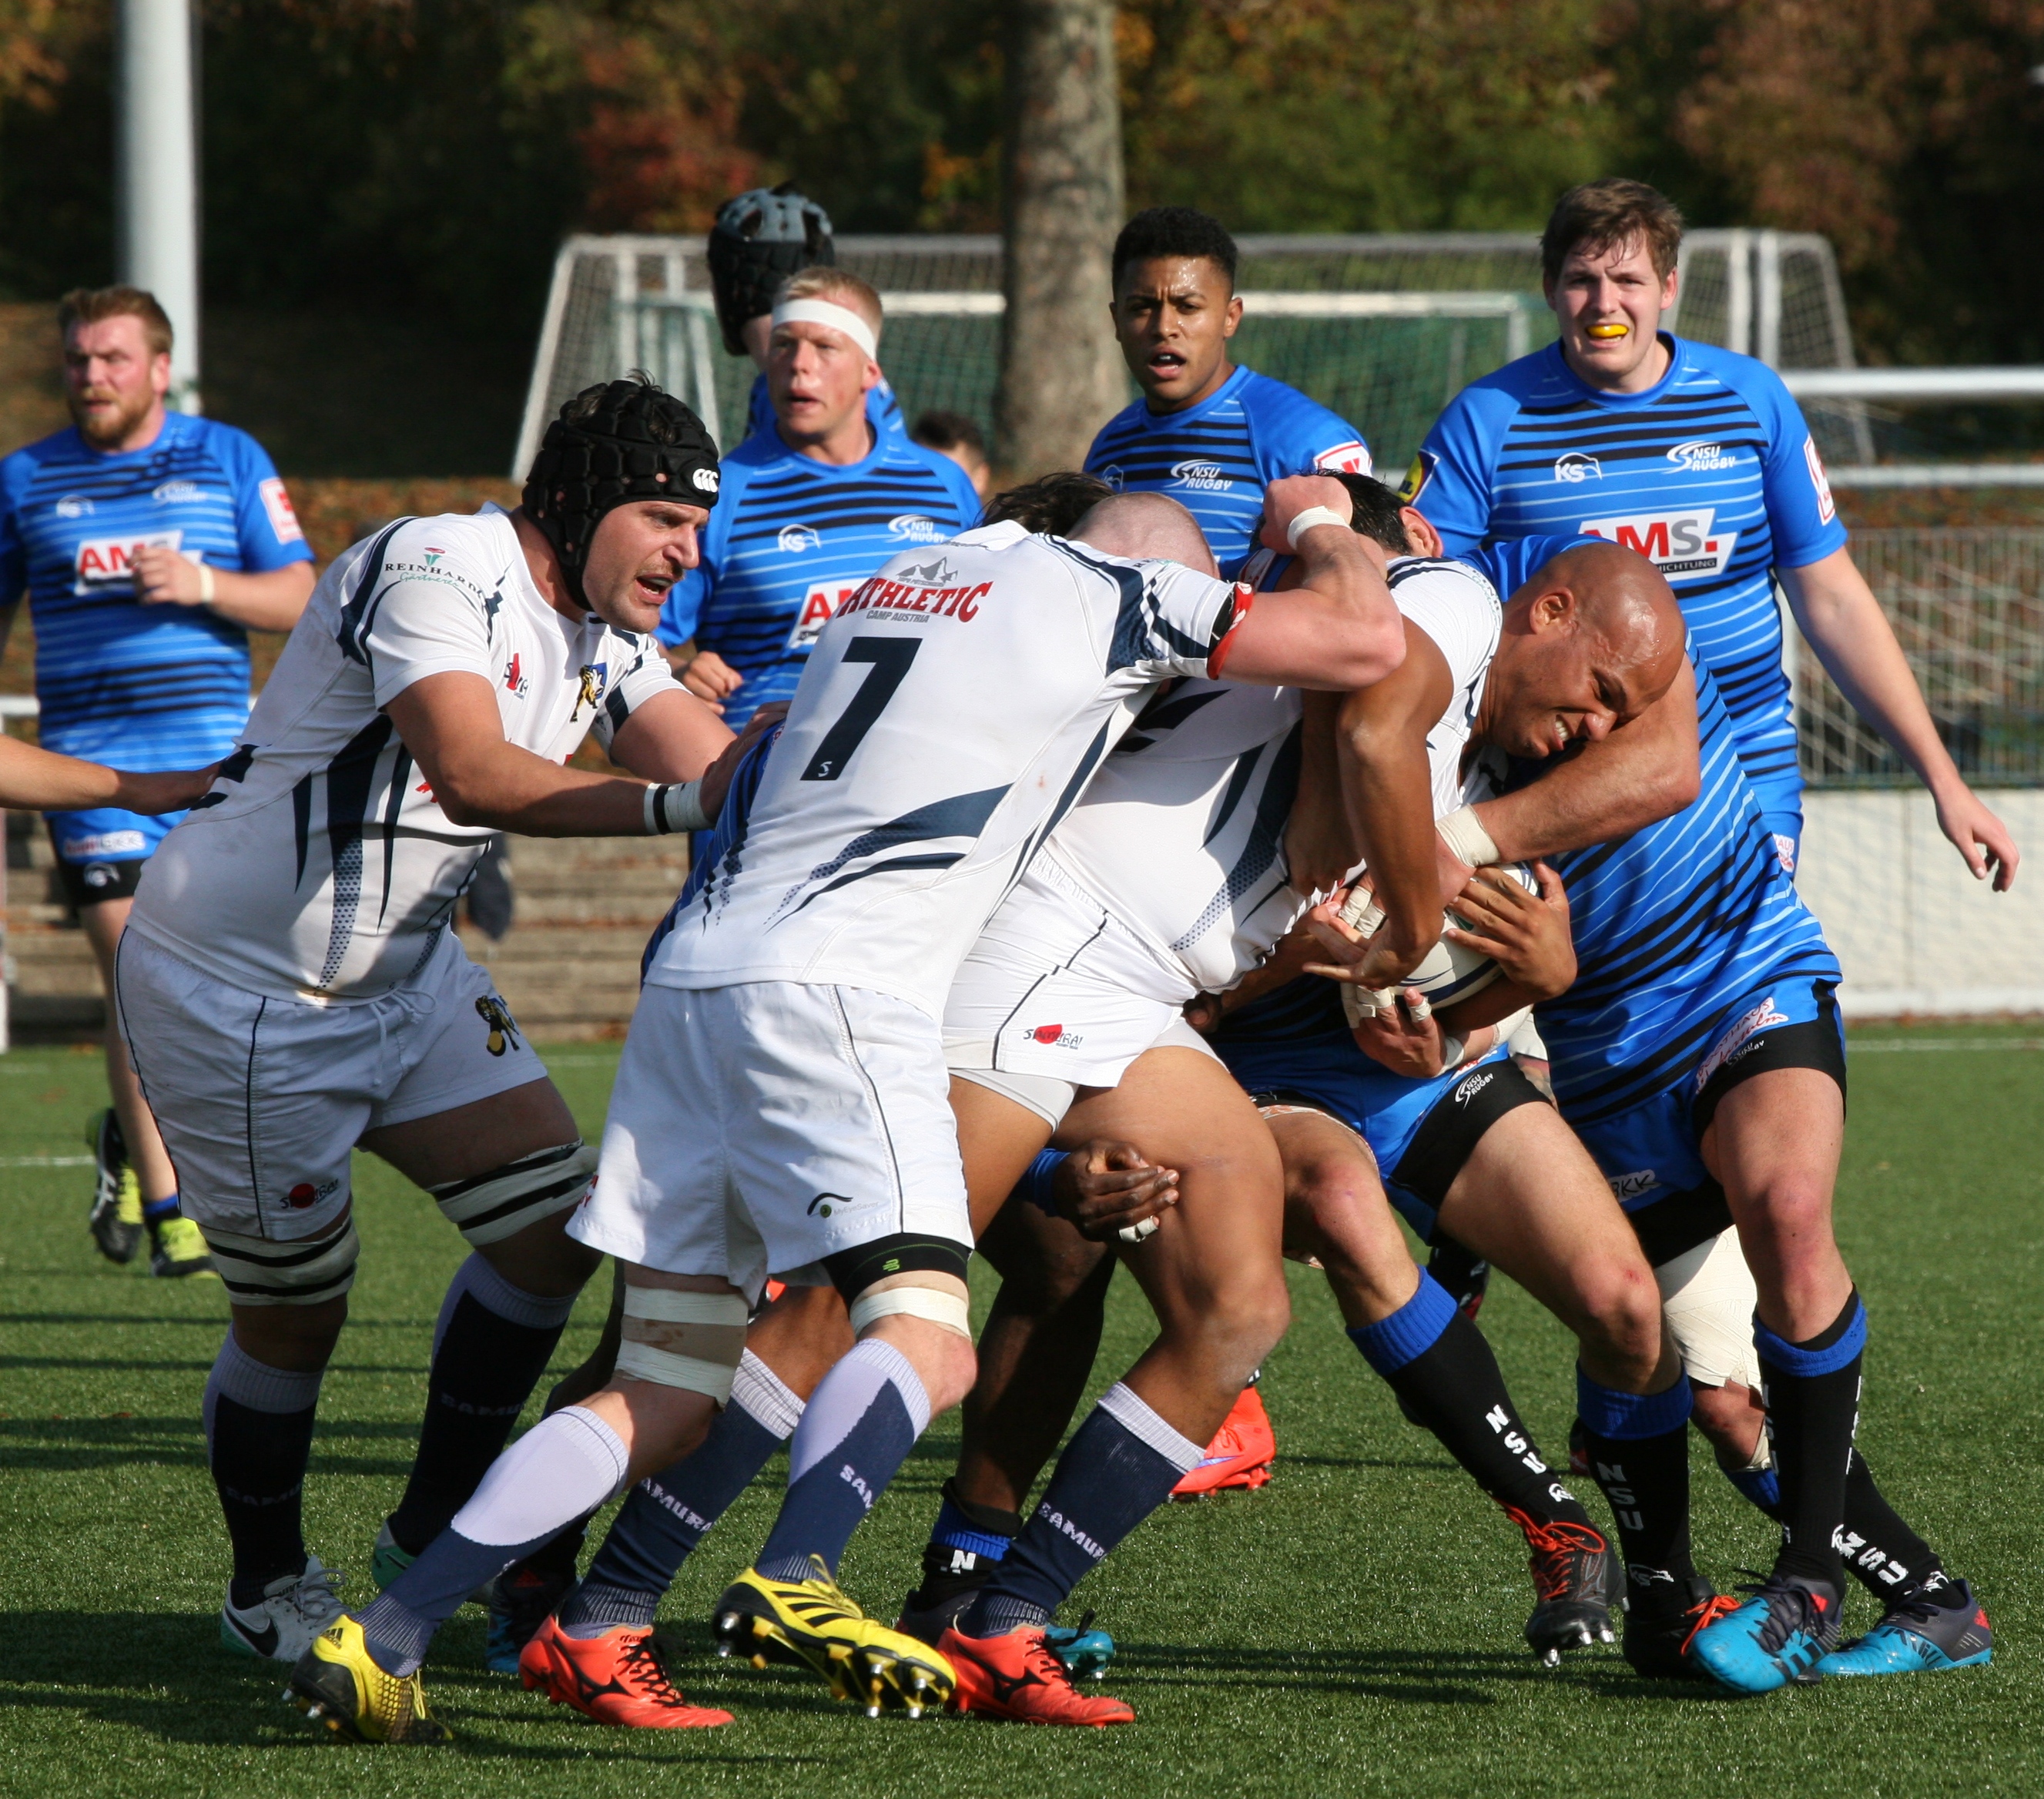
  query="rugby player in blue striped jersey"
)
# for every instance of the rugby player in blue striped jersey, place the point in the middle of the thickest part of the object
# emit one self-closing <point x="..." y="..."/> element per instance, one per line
<point x="1211" y="434"/>
<point x="1698" y="1054"/>
<point x="760" y="238"/>
<point x="1700" y="459"/>
<point x="810" y="507"/>
<point x="151" y="543"/>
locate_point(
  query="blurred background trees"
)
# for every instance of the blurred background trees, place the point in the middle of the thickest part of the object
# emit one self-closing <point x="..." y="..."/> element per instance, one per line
<point x="385" y="180"/>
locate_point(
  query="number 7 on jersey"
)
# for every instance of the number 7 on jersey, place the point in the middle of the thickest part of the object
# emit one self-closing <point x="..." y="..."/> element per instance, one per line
<point x="889" y="657"/>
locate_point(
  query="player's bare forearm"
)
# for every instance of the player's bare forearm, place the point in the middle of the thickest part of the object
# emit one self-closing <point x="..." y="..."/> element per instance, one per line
<point x="37" y="780"/>
<point x="1387" y="783"/>
<point x="451" y="725"/>
<point x="1643" y="772"/>
<point x="672" y="737"/>
<point x="271" y="600"/>
<point x="1339" y="627"/>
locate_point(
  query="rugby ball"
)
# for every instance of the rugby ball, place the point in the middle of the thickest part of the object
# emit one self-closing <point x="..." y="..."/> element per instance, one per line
<point x="1447" y="972"/>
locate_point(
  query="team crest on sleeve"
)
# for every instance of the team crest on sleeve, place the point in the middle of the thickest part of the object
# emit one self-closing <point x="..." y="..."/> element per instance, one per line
<point x="594" y="677"/>
<point x="283" y="516"/>
<point x="1827" y="508"/>
<point x="1351" y="458"/>
<point x="1416" y="477"/>
<point x="503" y="1028"/>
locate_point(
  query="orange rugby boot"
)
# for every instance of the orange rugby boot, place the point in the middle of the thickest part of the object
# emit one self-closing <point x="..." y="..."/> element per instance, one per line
<point x="616" y="1678"/>
<point x="1013" y="1676"/>
<point x="1240" y="1455"/>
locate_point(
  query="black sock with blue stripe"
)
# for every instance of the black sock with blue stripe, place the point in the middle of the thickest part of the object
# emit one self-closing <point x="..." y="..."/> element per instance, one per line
<point x="1639" y="1450"/>
<point x="1812" y="1390"/>
<point x="1438" y="1362"/>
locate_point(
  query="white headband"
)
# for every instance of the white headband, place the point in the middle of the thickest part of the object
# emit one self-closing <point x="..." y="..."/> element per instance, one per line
<point x="838" y="318"/>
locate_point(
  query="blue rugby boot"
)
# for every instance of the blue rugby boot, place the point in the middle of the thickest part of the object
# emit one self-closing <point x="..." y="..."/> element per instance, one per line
<point x="1925" y="1631"/>
<point x="1084" y="1651"/>
<point x="1775" y="1640"/>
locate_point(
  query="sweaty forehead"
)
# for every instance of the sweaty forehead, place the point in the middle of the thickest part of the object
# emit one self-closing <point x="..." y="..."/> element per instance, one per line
<point x="1173" y="275"/>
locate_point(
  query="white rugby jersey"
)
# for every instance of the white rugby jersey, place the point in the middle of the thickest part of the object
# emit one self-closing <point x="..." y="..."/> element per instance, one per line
<point x="1180" y="835"/>
<point x="952" y="709"/>
<point x="320" y="865"/>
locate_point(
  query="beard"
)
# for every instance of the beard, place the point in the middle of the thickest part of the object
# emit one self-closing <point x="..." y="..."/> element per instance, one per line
<point x="103" y="428"/>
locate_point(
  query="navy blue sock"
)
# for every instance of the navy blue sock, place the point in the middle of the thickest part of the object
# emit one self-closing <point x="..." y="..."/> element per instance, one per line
<point x="1436" y="1359"/>
<point x="968" y="1543"/>
<point x="259" y="1436"/>
<point x="1639" y="1450"/>
<point x="856" y="1431"/>
<point x="490" y="1349"/>
<point x="1879" y="1548"/>
<point x="1811" y="1391"/>
<point x="666" y="1515"/>
<point x="1119" y="1467"/>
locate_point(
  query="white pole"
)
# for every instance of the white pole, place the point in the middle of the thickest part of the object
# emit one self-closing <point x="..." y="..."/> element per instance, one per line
<point x="158" y="176"/>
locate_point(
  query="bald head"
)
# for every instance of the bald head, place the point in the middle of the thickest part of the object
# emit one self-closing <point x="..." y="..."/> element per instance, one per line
<point x="1591" y="641"/>
<point x="1142" y="526"/>
<point x="1623" y="598"/>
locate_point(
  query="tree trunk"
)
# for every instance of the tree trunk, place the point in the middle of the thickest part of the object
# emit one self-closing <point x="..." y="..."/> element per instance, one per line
<point x="1062" y="377"/>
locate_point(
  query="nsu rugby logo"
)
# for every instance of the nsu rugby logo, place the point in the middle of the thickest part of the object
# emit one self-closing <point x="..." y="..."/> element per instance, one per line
<point x="1700" y="456"/>
<point x="914" y="528"/>
<point x="1202" y="477"/>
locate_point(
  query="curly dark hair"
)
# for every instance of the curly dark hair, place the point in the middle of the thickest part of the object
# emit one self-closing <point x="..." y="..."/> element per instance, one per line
<point x="1175" y="231"/>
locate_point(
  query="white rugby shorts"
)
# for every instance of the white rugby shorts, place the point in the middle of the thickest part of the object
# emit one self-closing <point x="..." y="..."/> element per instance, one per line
<point x="757" y="1128"/>
<point x="1708" y="1296"/>
<point x="261" y="1100"/>
<point x="1058" y="986"/>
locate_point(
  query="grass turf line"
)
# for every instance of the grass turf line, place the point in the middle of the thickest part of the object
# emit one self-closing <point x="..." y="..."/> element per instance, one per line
<point x="1353" y="1629"/>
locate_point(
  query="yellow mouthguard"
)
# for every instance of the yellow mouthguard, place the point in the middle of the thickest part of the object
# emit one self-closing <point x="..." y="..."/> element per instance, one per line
<point x="1605" y="332"/>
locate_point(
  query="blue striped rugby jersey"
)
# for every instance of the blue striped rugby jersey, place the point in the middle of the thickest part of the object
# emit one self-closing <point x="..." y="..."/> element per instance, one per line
<point x="145" y="687"/>
<point x="883" y="411"/>
<point x="789" y="538"/>
<point x="1217" y="457"/>
<point x="1713" y="473"/>
<point x="1673" y="925"/>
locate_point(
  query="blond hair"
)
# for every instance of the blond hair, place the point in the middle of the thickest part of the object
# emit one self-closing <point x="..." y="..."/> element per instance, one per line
<point x="88" y="305"/>
<point x="840" y="287"/>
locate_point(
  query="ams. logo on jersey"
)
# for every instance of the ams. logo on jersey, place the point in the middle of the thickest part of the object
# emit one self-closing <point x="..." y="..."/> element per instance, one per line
<point x="819" y="603"/>
<point x="1681" y="544"/>
<point x="103" y="563"/>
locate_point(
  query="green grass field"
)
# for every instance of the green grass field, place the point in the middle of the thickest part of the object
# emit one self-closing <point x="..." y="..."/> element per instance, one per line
<point x="1353" y="1628"/>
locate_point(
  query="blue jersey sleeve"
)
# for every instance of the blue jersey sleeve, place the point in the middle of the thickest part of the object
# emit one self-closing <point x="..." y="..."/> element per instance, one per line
<point x="14" y="553"/>
<point x="1450" y="479"/>
<point x="1508" y="565"/>
<point x="1295" y="434"/>
<point x="266" y="527"/>
<point x="964" y="496"/>
<point x="1801" y="514"/>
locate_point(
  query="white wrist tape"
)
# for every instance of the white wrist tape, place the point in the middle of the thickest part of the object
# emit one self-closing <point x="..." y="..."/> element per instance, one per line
<point x="1510" y="1022"/>
<point x="1310" y="518"/>
<point x="1453" y="1050"/>
<point x="206" y="584"/>
<point x="675" y="805"/>
<point x="1463" y="832"/>
<point x="948" y="1309"/>
<point x="837" y="318"/>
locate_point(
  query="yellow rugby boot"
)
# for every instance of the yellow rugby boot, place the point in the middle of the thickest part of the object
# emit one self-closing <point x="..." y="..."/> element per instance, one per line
<point x="337" y="1683"/>
<point x="811" y="1624"/>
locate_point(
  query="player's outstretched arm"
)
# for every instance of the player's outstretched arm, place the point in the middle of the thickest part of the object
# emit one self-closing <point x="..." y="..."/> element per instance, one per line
<point x="450" y="723"/>
<point x="1644" y="771"/>
<point x="1844" y="625"/>
<point x="37" y="780"/>
<point x="673" y="737"/>
<point x="1339" y="627"/>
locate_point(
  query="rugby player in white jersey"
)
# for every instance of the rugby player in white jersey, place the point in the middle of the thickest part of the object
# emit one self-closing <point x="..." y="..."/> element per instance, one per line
<point x="291" y="988"/>
<point x="782" y="1107"/>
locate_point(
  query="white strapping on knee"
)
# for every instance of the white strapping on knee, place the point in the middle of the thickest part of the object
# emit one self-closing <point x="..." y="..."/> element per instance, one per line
<point x="673" y="1305"/>
<point x="502" y="1203"/>
<point x="723" y="1312"/>
<point x="667" y="1367"/>
<point x="489" y="1289"/>
<point x="1129" y="1410"/>
<point x="845" y="1393"/>
<point x="765" y="1398"/>
<point x="305" y="1271"/>
<point x="951" y="1310"/>
<point x="565" y="1466"/>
